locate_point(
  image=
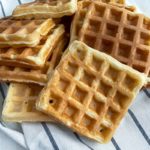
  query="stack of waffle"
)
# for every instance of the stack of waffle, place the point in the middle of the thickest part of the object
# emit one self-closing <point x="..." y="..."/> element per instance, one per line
<point x="90" y="85"/>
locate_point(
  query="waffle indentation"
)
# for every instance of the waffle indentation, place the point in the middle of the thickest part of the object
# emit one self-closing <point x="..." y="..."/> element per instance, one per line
<point x="54" y="101"/>
<point x="87" y="78"/>
<point x="88" y="122"/>
<point x="81" y="54"/>
<point x="112" y="115"/>
<point x="70" y="112"/>
<point x="145" y="38"/>
<point x="79" y="94"/>
<point x="34" y="90"/>
<point x="146" y="23"/>
<point x="106" y="46"/>
<point x="85" y="6"/>
<point x="121" y="99"/>
<point x="124" y="50"/>
<point x="16" y="106"/>
<point x="90" y="39"/>
<point x="96" y="63"/>
<point x="142" y="55"/>
<point x="112" y="73"/>
<point x="30" y="106"/>
<point x="139" y="67"/>
<point x="63" y="84"/>
<point x="97" y="105"/>
<point x="128" y="34"/>
<point x="104" y="88"/>
<point x="115" y="15"/>
<point x="111" y="30"/>
<point x="132" y="19"/>
<point x="94" y="25"/>
<point x="99" y="10"/>
<point x="129" y="82"/>
<point x="72" y="68"/>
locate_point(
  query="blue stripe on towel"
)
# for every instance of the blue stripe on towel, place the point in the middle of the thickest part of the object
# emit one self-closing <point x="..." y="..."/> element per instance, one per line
<point x="139" y="126"/>
<point x="115" y="144"/>
<point x="2" y="8"/>
<point x="79" y="139"/>
<point x="147" y="93"/>
<point x="49" y="134"/>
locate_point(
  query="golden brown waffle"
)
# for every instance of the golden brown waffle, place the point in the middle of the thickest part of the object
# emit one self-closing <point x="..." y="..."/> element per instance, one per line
<point x="33" y="57"/>
<point x="20" y="104"/>
<point x="45" y="9"/>
<point x="130" y="8"/>
<point x="118" y="32"/>
<point x="90" y="91"/>
<point x="38" y="76"/>
<point x="23" y="32"/>
<point x="113" y="1"/>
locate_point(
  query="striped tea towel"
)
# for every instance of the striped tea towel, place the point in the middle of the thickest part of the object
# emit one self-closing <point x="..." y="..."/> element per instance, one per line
<point x="133" y="132"/>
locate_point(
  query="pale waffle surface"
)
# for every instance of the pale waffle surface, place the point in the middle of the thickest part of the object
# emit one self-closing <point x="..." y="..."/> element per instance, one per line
<point x="118" y="32"/>
<point x="20" y="104"/>
<point x="90" y="92"/>
<point x="46" y="9"/>
<point x="23" y="32"/>
<point x="33" y="57"/>
<point x="27" y="75"/>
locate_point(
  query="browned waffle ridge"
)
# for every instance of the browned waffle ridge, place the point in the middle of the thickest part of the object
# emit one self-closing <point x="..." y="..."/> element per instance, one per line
<point x="20" y="104"/>
<point x="45" y="9"/>
<point x="111" y="1"/>
<point x="33" y="57"/>
<point x="118" y="32"/>
<point x="23" y="32"/>
<point x="37" y="76"/>
<point x="90" y="92"/>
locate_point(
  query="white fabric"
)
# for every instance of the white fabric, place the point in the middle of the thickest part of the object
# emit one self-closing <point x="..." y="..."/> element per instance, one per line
<point x="133" y="132"/>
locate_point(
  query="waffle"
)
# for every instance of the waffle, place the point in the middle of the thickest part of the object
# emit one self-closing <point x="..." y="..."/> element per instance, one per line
<point x="32" y="57"/>
<point x="45" y="9"/>
<point x="113" y="1"/>
<point x="118" y="32"/>
<point x="20" y="104"/>
<point x="130" y="8"/>
<point x="36" y="76"/>
<point x="23" y="32"/>
<point x="90" y="92"/>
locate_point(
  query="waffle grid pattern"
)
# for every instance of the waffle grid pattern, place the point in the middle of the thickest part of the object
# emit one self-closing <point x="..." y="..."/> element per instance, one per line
<point x="46" y="9"/>
<point x="114" y="1"/>
<point x="53" y="2"/>
<point x="117" y="32"/>
<point x="89" y="94"/>
<point x="33" y="56"/>
<point x="27" y="75"/>
<point x="20" y="104"/>
<point x="23" y="32"/>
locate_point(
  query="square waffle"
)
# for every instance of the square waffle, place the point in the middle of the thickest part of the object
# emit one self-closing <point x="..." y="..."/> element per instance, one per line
<point x="37" y="76"/>
<point x="33" y="57"/>
<point x="20" y="104"/>
<point x="116" y="31"/>
<point x="90" y="92"/>
<point x="23" y="32"/>
<point x="45" y="9"/>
